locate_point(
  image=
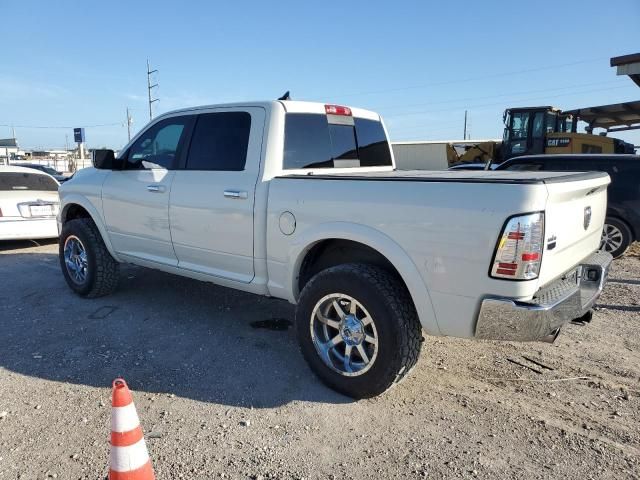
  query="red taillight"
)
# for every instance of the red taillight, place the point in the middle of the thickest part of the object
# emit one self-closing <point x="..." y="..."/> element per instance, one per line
<point x="518" y="254"/>
<point x="507" y="268"/>
<point x="337" y="110"/>
<point x="0" y="212"/>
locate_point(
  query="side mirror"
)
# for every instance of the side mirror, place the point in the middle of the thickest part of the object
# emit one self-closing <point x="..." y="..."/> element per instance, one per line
<point x="106" y="160"/>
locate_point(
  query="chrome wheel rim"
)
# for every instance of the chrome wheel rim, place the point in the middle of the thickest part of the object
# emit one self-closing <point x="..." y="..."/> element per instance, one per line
<point x="612" y="238"/>
<point x="344" y="334"/>
<point x="75" y="259"/>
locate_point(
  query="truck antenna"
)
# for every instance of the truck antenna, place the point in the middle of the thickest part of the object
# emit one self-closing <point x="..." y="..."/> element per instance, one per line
<point x="286" y="96"/>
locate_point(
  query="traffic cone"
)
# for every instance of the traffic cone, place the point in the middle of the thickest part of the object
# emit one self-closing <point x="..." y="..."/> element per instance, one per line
<point x="129" y="456"/>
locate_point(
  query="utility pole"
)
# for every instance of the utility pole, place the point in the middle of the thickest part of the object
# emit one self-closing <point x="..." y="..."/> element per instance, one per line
<point x="149" y="87"/>
<point x="129" y="122"/>
<point x="464" y="135"/>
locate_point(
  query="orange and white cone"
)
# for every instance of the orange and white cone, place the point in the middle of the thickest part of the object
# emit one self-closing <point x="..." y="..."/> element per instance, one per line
<point x="129" y="456"/>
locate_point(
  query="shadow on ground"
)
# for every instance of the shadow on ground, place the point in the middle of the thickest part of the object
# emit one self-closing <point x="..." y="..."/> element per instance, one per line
<point x="626" y="281"/>
<point x="622" y="308"/>
<point x="163" y="333"/>
<point x="6" y="245"/>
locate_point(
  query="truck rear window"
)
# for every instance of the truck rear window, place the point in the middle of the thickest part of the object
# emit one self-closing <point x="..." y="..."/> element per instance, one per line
<point x="19" y="181"/>
<point x="310" y="141"/>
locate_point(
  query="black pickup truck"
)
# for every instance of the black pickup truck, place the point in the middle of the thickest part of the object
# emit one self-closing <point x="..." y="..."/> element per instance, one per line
<point x="622" y="225"/>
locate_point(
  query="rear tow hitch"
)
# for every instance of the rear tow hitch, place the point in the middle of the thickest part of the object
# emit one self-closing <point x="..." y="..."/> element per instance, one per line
<point x="584" y="319"/>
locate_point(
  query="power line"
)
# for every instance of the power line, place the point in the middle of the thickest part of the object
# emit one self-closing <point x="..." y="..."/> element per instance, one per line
<point x="61" y="127"/>
<point x="438" y="125"/>
<point x="449" y="122"/>
<point x="419" y="128"/>
<point x="407" y="114"/>
<point x="472" y="79"/>
<point x="458" y="100"/>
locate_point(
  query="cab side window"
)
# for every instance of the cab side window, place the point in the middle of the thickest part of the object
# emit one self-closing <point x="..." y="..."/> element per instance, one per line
<point x="220" y="142"/>
<point x="159" y="146"/>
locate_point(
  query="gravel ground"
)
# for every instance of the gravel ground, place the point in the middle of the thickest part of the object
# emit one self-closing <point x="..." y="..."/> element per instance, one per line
<point x="220" y="399"/>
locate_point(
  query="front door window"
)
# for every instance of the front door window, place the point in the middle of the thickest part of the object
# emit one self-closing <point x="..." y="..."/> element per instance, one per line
<point x="158" y="146"/>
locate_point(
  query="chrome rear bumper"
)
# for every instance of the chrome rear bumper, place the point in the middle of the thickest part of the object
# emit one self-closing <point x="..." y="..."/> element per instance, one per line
<point x="554" y="305"/>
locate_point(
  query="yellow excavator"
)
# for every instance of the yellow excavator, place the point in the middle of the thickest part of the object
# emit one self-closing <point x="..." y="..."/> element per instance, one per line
<point x="547" y="130"/>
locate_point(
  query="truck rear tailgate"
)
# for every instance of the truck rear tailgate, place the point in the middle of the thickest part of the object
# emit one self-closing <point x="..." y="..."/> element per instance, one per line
<point x="574" y="215"/>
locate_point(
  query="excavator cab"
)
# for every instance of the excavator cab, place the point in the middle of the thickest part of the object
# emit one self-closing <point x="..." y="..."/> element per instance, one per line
<point x="525" y="129"/>
<point x="547" y="130"/>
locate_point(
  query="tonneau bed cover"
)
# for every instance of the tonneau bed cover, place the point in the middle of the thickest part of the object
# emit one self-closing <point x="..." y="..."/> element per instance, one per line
<point x="517" y="177"/>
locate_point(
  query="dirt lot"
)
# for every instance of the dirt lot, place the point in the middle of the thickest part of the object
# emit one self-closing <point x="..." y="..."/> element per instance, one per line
<point x="219" y="398"/>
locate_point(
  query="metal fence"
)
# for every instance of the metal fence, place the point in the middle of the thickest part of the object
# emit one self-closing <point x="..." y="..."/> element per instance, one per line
<point x="64" y="165"/>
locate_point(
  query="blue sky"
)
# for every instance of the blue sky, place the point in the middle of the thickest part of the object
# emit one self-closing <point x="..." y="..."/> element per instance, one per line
<point x="420" y="64"/>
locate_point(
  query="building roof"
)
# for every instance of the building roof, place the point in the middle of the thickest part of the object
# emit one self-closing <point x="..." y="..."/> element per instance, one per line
<point x="625" y="59"/>
<point x="613" y="117"/>
<point x="438" y="142"/>
<point x="8" y="142"/>
<point x="628" y="65"/>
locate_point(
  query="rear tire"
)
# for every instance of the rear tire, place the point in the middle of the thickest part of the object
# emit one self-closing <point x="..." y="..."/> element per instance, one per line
<point x="353" y="308"/>
<point x="616" y="237"/>
<point x="87" y="265"/>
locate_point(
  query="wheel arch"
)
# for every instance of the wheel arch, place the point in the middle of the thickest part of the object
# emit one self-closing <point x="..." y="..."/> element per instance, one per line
<point x="364" y="244"/>
<point x="76" y="206"/>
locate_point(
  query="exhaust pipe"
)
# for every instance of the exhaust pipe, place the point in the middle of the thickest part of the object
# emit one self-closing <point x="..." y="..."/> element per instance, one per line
<point x="551" y="337"/>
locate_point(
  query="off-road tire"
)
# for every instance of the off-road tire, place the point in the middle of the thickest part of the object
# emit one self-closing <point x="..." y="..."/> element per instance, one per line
<point x="388" y="302"/>
<point x="102" y="268"/>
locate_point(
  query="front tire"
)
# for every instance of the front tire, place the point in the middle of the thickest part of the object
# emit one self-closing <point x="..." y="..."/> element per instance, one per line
<point x="616" y="237"/>
<point x="358" y="329"/>
<point x="87" y="265"/>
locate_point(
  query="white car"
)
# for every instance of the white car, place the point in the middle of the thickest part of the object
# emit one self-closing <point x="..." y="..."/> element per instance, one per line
<point x="29" y="204"/>
<point x="301" y="201"/>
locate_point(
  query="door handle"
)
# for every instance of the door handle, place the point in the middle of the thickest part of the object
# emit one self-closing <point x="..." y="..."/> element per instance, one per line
<point x="236" y="194"/>
<point x="155" y="188"/>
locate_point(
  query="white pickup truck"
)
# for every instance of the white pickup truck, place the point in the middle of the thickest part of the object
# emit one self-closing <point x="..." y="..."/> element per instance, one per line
<point x="301" y="201"/>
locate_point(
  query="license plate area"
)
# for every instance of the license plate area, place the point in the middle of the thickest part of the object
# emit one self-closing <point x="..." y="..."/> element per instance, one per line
<point x="41" y="210"/>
